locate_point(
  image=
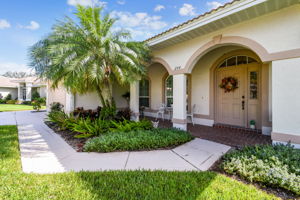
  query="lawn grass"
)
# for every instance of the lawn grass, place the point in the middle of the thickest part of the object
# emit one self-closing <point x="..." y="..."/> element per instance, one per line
<point x="156" y="185"/>
<point x="15" y="107"/>
<point x="138" y="140"/>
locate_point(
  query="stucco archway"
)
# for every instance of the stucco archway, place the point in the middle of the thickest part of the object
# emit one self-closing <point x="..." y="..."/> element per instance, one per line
<point x="220" y="41"/>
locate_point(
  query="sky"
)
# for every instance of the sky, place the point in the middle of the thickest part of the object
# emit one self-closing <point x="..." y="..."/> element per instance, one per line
<point x="24" y="22"/>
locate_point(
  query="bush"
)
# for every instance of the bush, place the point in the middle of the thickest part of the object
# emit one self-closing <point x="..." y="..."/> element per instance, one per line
<point x="2" y="101"/>
<point x="92" y="127"/>
<point x="8" y="97"/>
<point x="26" y="102"/>
<point x="137" y="140"/>
<point x="123" y="114"/>
<point x="37" y="103"/>
<point x="60" y="118"/>
<point x="11" y="101"/>
<point x="126" y="126"/>
<point x="91" y="114"/>
<point x="277" y="166"/>
<point x="56" y="106"/>
<point x="35" y="95"/>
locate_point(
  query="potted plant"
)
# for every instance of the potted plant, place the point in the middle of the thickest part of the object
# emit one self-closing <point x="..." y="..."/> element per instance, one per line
<point x="252" y="124"/>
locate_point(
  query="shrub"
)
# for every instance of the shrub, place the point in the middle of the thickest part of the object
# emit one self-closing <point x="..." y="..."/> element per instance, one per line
<point x="87" y="126"/>
<point x="26" y="102"/>
<point x="56" y="106"/>
<point x="11" y="101"/>
<point x="37" y="103"/>
<point x="92" y="114"/>
<point x="137" y="140"/>
<point x="2" y="101"/>
<point x="126" y="126"/>
<point x="277" y="166"/>
<point x="123" y="114"/>
<point x="35" y="95"/>
<point x="60" y="118"/>
<point x="1" y="97"/>
<point x="108" y="113"/>
<point x="8" y="97"/>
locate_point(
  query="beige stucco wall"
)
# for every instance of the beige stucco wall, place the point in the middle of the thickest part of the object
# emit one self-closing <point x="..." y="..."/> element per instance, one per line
<point x="92" y="101"/>
<point x="56" y="95"/>
<point x="156" y="73"/>
<point x="5" y="91"/>
<point x="277" y="31"/>
<point x="286" y="96"/>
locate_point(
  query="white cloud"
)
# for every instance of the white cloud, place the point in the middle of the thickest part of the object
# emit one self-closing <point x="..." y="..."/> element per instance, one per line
<point x="214" y="4"/>
<point x="187" y="10"/>
<point x="4" y="24"/>
<point x="86" y="3"/>
<point x="32" y="26"/>
<point x="11" y="66"/>
<point x="141" y="20"/>
<point x="141" y="25"/>
<point x="159" y="8"/>
<point x="122" y="2"/>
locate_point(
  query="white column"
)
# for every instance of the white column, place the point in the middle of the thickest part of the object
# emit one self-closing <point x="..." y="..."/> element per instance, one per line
<point x="70" y="102"/>
<point x="286" y="101"/>
<point x="179" y="101"/>
<point x="134" y="100"/>
<point x="19" y="92"/>
<point x="28" y="91"/>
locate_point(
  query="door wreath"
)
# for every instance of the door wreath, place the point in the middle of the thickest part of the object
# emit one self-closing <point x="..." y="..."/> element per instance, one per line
<point x="229" y="84"/>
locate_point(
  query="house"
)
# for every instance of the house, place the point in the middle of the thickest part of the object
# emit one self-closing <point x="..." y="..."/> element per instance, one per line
<point x="236" y="65"/>
<point x="21" y="88"/>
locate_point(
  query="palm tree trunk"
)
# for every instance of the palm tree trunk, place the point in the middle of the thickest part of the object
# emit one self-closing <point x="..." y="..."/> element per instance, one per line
<point x="99" y="92"/>
<point x="107" y="90"/>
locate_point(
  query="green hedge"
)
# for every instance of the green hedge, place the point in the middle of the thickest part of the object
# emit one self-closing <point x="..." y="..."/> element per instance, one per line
<point x="137" y="140"/>
<point x="277" y="166"/>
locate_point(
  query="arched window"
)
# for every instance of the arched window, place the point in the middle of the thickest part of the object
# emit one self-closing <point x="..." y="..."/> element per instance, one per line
<point x="144" y="93"/>
<point x="237" y="60"/>
<point x="169" y="91"/>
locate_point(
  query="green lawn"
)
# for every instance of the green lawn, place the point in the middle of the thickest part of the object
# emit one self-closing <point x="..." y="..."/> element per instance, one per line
<point x="156" y="185"/>
<point x="15" y="107"/>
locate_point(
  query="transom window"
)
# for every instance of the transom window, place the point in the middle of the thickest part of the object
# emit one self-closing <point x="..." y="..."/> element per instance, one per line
<point x="169" y="91"/>
<point x="144" y="98"/>
<point x="237" y="60"/>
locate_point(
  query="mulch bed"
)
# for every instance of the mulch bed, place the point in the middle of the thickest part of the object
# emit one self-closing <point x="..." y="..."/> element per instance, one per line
<point x="279" y="192"/>
<point x="68" y="136"/>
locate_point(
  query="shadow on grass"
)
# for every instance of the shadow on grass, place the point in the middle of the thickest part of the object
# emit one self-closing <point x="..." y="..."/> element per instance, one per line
<point x="146" y="184"/>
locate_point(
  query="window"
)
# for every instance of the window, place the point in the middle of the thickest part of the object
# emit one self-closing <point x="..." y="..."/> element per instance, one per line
<point x="144" y="93"/>
<point x="169" y="91"/>
<point x="236" y="60"/>
<point x="253" y="85"/>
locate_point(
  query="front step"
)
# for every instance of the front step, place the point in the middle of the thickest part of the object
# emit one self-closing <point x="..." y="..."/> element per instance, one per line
<point x="237" y="128"/>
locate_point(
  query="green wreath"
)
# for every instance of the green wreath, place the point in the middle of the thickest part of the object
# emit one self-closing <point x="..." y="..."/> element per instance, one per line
<point x="229" y="84"/>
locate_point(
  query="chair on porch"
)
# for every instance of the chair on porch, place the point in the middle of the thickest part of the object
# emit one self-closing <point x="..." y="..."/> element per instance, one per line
<point x="161" y="112"/>
<point x="191" y="114"/>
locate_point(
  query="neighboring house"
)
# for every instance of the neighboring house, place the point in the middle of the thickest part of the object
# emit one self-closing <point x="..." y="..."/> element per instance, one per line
<point x="257" y="42"/>
<point x="22" y="88"/>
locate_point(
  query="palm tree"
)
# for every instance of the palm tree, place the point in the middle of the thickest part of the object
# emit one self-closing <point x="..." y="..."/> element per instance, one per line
<point x="89" y="55"/>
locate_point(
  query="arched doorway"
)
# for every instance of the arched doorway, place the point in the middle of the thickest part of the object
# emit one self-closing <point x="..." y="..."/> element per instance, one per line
<point x="238" y="89"/>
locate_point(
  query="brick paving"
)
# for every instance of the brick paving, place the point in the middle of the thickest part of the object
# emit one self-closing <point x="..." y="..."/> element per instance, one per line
<point x="224" y="135"/>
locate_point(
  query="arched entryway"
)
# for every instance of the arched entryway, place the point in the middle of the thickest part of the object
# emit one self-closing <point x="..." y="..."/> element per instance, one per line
<point x="237" y="86"/>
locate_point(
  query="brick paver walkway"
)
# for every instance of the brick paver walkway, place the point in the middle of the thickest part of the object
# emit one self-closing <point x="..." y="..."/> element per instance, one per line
<point x="228" y="136"/>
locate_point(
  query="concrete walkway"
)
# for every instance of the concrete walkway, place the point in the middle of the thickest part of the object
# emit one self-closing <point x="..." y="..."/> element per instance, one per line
<point x="43" y="151"/>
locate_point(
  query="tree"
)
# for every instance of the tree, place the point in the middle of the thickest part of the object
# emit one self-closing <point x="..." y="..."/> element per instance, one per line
<point x="89" y="55"/>
<point x="11" y="74"/>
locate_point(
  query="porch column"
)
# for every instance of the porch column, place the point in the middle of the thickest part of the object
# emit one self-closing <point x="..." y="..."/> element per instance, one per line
<point x="70" y="102"/>
<point x="28" y="91"/>
<point x="19" y="92"/>
<point x="179" y="102"/>
<point x="134" y="100"/>
<point x="285" y="101"/>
